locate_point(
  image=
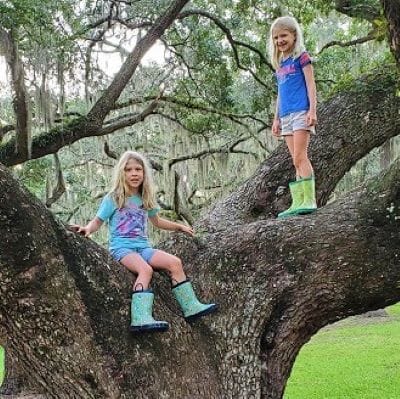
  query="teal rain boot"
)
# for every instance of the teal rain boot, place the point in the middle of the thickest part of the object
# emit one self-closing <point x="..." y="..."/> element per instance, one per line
<point x="141" y="313"/>
<point x="296" y="191"/>
<point x="190" y="305"/>
<point x="309" y="203"/>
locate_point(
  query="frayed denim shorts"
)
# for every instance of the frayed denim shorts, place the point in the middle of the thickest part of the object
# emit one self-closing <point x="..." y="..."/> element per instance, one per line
<point x="295" y="121"/>
<point x="145" y="253"/>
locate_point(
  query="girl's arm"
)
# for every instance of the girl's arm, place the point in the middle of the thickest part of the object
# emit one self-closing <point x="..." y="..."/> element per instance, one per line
<point x="276" y="126"/>
<point x="165" y="224"/>
<point x="90" y="228"/>
<point x="308" y="71"/>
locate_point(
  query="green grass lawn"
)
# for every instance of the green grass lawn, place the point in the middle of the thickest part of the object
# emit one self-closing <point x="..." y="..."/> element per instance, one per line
<point x="358" y="358"/>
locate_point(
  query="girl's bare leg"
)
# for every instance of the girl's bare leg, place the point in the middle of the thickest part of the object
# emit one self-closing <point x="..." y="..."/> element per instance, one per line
<point x="136" y="264"/>
<point x="170" y="263"/>
<point x="301" y="139"/>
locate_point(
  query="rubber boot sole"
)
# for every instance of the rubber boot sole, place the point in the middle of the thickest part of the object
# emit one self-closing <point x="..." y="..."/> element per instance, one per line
<point x="305" y="211"/>
<point x="213" y="308"/>
<point x="149" y="328"/>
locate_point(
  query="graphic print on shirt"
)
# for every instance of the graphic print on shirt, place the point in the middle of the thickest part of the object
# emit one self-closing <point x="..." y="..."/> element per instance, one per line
<point x="131" y="222"/>
<point x="283" y="73"/>
<point x="292" y="67"/>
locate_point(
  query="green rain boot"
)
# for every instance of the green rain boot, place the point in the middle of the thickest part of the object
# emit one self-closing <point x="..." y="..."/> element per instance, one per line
<point x="192" y="308"/>
<point x="309" y="204"/>
<point x="2" y="365"/>
<point x="297" y="193"/>
<point x="141" y="313"/>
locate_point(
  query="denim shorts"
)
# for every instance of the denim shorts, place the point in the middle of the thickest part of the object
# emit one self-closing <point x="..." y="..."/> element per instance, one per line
<point x="295" y="121"/>
<point x="145" y="253"/>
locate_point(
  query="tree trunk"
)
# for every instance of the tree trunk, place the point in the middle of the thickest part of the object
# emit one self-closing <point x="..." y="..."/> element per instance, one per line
<point x="65" y="303"/>
<point x="391" y="9"/>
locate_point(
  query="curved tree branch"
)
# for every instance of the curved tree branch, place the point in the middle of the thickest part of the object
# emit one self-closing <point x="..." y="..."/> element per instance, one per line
<point x="234" y="43"/>
<point x="225" y="149"/>
<point x="107" y="100"/>
<point x="370" y="10"/>
<point x="372" y="98"/>
<point x="368" y="38"/>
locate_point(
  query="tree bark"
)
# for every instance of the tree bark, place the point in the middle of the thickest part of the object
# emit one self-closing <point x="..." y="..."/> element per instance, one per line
<point x="391" y="9"/>
<point x="65" y="303"/>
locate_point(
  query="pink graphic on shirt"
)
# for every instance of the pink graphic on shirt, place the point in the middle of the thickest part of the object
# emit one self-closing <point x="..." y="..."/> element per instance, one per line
<point x="132" y="222"/>
<point x="283" y="72"/>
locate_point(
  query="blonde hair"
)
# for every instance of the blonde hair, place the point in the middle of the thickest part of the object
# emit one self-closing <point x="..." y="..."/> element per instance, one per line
<point x="290" y="24"/>
<point x="120" y="189"/>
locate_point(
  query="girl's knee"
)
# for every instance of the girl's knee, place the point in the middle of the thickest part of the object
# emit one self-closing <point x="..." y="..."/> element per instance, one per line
<point x="146" y="271"/>
<point x="299" y="160"/>
<point x="176" y="264"/>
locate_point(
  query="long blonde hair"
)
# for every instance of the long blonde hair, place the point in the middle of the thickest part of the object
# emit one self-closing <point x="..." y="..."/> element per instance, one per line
<point x="290" y="24"/>
<point x="120" y="189"/>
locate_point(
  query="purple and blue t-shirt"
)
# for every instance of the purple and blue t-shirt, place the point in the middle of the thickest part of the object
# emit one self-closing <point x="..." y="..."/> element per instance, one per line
<point x="128" y="225"/>
<point x="292" y="87"/>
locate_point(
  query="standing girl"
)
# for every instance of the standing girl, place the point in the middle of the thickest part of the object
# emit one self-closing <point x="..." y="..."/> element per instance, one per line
<point x="295" y="115"/>
<point x="128" y="206"/>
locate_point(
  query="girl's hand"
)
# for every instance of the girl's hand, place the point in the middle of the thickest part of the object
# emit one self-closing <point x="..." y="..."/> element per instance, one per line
<point x="82" y="230"/>
<point x="276" y="128"/>
<point x="186" y="229"/>
<point x="311" y="118"/>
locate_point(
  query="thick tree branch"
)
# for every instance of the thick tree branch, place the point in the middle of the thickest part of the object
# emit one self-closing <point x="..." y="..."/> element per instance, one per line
<point x="359" y="9"/>
<point x="294" y="268"/>
<point x="341" y="140"/>
<point x="107" y="100"/>
<point x="193" y="106"/>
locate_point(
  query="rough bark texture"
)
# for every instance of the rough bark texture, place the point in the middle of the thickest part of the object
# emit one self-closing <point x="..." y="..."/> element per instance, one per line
<point x="65" y="303"/>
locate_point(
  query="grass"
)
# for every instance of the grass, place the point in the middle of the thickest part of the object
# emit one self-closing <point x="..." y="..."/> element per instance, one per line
<point x="358" y="358"/>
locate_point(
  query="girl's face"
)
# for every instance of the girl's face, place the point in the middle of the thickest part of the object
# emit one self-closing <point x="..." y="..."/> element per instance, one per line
<point x="284" y="41"/>
<point x="134" y="175"/>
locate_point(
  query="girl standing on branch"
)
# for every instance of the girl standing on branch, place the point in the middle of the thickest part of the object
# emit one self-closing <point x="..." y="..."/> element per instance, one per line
<point x="295" y="115"/>
<point x="128" y="206"/>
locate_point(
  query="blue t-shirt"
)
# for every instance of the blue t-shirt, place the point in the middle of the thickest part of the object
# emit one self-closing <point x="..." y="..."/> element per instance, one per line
<point x="128" y="225"/>
<point x="292" y="87"/>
